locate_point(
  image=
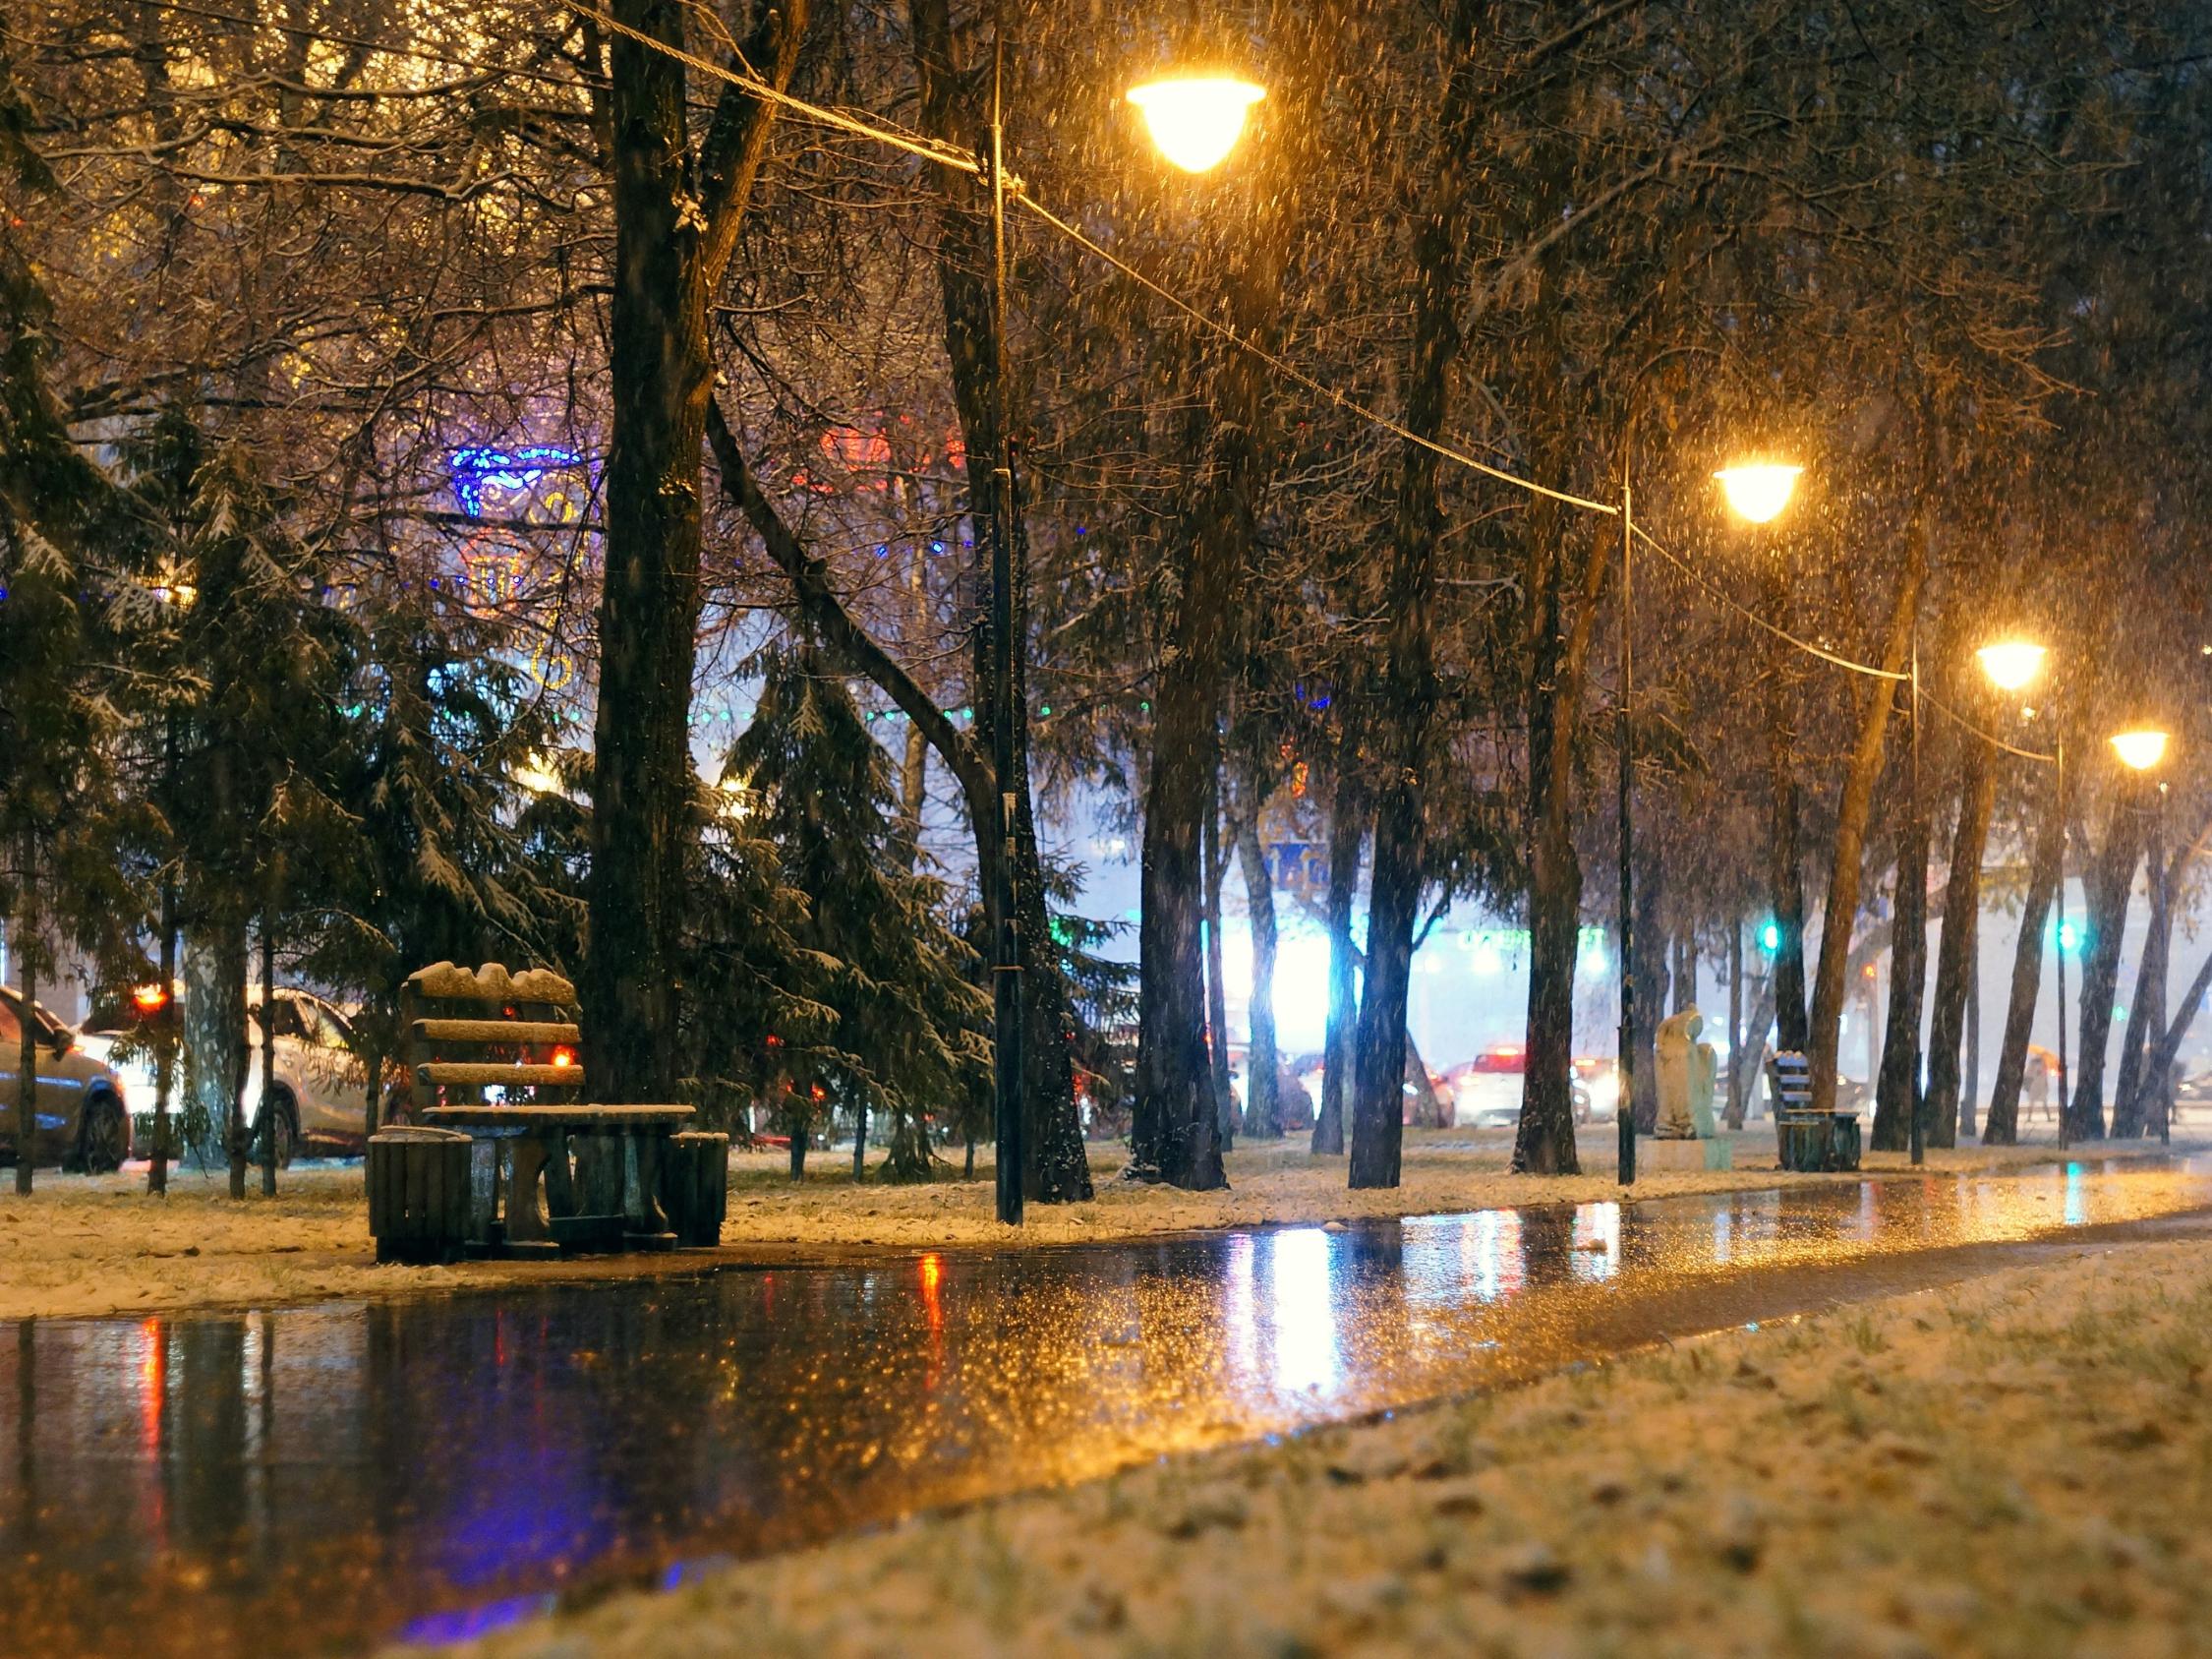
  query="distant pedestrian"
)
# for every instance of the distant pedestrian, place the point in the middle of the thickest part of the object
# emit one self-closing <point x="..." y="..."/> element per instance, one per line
<point x="2035" y="1084"/>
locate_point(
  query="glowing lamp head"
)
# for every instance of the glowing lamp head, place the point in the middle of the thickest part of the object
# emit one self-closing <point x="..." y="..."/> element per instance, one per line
<point x="1757" y="491"/>
<point x="149" y="999"/>
<point x="1196" y="120"/>
<point x="564" y="1056"/>
<point x="2012" y="664"/>
<point x="537" y="775"/>
<point x="2139" y="750"/>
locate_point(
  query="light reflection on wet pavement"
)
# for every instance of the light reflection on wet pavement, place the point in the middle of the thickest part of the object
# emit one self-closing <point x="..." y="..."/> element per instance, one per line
<point x="330" y="1476"/>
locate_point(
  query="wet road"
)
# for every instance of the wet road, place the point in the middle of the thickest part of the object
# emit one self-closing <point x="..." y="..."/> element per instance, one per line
<point x="320" y="1478"/>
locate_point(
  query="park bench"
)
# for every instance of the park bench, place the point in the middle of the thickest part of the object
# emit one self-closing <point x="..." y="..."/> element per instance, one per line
<point x="493" y="1058"/>
<point x="1807" y="1140"/>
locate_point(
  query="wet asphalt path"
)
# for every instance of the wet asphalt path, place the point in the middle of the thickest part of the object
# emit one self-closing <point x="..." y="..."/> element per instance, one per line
<point x="324" y="1478"/>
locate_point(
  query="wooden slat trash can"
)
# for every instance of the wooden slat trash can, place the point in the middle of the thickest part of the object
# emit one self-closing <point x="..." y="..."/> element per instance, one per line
<point x="419" y="1197"/>
<point x="695" y="1187"/>
<point x="1807" y="1141"/>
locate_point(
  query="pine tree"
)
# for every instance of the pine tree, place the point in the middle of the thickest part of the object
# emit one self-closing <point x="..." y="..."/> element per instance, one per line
<point x="906" y="1032"/>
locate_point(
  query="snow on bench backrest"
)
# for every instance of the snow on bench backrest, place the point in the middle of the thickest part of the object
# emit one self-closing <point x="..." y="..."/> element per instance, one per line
<point x="493" y="984"/>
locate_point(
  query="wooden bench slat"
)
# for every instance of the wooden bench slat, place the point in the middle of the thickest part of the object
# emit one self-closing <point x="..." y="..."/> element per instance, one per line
<point x="497" y="1030"/>
<point x="476" y="1071"/>
<point x="561" y="1117"/>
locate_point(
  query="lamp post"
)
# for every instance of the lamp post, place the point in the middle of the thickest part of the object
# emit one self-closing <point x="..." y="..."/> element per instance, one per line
<point x="2141" y="748"/>
<point x="1007" y="988"/>
<point x="1196" y="120"/>
<point x="1756" y="491"/>
<point x="2014" y="665"/>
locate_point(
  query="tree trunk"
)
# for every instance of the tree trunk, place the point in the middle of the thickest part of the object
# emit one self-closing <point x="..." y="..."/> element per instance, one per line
<point x="27" y="1062"/>
<point x="1824" y="1047"/>
<point x="1896" y="1092"/>
<point x="674" y="228"/>
<point x="1732" y="1107"/>
<point x="1407" y="694"/>
<point x="1217" y="991"/>
<point x="2001" y="1128"/>
<point x="1346" y="830"/>
<point x="2170" y="1044"/>
<point x="165" y="1031"/>
<point x="2111" y="878"/>
<point x="231" y="966"/>
<point x="1785" y="877"/>
<point x="859" y="1138"/>
<point x="2136" y="1086"/>
<point x="1543" y="1141"/>
<point x="266" y="1110"/>
<point x="1971" y="1078"/>
<point x="1264" y="1107"/>
<point x="914" y="771"/>
<point x="1652" y="976"/>
<point x="1743" y="1079"/>
<point x="1962" y="898"/>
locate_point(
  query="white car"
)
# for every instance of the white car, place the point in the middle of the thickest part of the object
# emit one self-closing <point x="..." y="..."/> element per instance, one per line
<point x="1486" y="1089"/>
<point x="322" y="1093"/>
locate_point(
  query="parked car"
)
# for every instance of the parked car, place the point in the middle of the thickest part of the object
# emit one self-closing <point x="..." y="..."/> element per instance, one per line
<point x="321" y="1094"/>
<point x="80" y="1122"/>
<point x="1486" y="1089"/>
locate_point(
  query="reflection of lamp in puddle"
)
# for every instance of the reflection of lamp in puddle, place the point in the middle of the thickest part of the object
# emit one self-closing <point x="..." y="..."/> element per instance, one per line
<point x="1596" y="1242"/>
<point x="1305" y="1318"/>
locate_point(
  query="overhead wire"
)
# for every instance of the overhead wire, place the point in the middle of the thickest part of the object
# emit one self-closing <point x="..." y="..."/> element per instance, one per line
<point x="974" y="165"/>
<point x="1745" y="611"/>
<point x="1989" y="738"/>
<point x="1290" y="371"/>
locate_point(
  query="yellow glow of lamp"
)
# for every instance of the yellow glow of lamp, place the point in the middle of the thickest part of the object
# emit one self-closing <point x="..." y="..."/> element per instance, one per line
<point x="1196" y="120"/>
<point x="1757" y="491"/>
<point x="2139" y="750"/>
<point x="538" y="776"/>
<point x="2012" y="664"/>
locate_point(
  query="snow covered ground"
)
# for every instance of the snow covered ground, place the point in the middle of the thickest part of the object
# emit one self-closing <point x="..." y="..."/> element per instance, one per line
<point x="100" y="1246"/>
<point x="2016" y="1467"/>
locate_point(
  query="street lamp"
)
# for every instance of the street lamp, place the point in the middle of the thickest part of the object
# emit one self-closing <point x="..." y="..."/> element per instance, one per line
<point x="537" y="775"/>
<point x="1757" y="491"/>
<point x="2012" y="665"/>
<point x="1196" y="120"/>
<point x="2139" y="748"/>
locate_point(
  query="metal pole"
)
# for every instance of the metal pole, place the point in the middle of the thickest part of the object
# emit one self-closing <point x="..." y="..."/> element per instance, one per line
<point x="2059" y="937"/>
<point x="2156" y="873"/>
<point x="1919" y="1149"/>
<point x="1005" y="752"/>
<point x="1624" y="1107"/>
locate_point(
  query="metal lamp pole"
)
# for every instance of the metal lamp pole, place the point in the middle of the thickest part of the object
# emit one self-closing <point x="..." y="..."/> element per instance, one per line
<point x="2059" y="937"/>
<point x="1624" y="1109"/>
<point x="1918" y="1132"/>
<point x="1006" y="975"/>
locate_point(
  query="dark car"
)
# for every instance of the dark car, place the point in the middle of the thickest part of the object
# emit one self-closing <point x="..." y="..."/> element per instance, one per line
<point x="80" y="1123"/>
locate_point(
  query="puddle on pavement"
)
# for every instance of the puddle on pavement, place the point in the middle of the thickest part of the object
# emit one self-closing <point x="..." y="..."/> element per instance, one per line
<point x="328" y="1477"/>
